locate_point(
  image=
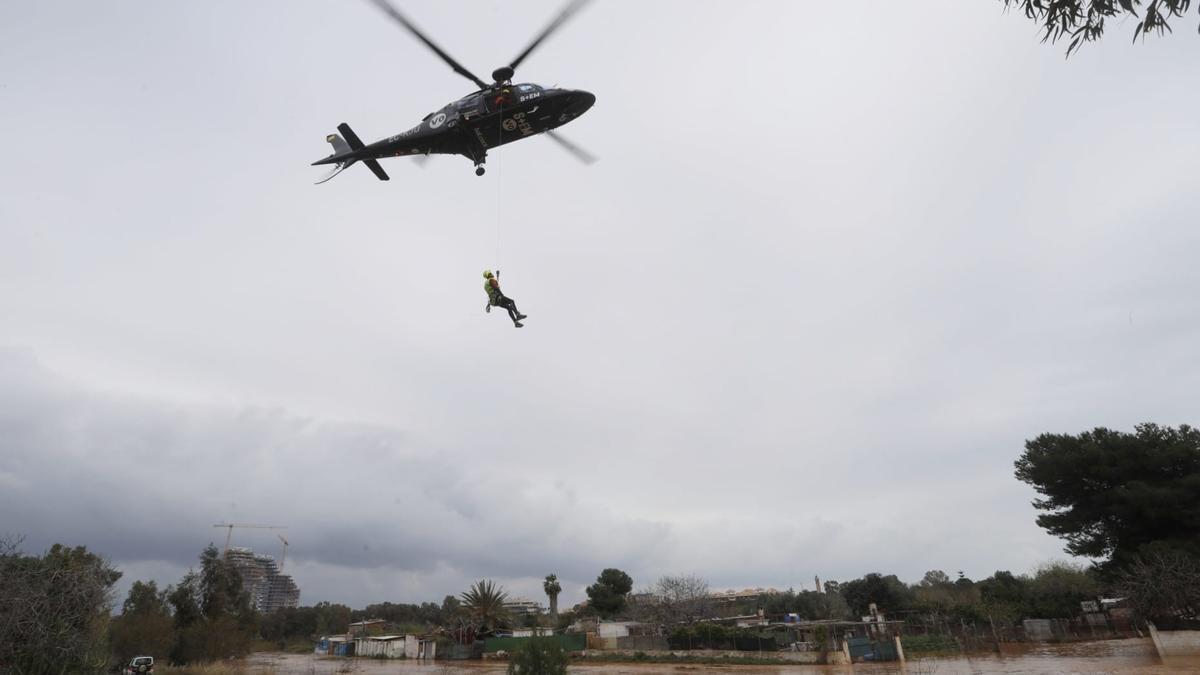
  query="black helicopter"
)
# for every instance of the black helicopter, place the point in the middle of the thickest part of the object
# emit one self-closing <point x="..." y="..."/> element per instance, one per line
<point x="496" y="114"/>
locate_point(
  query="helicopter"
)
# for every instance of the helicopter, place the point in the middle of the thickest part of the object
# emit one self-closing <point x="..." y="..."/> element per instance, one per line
<point x="496" y="114"/>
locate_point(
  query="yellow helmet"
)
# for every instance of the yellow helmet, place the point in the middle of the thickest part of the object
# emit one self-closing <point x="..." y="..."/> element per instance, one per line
<point x="487" y="274"/>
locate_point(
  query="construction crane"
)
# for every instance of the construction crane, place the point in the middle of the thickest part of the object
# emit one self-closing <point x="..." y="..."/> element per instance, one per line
<point x="229" y="536"/>
<point x="284" y="558"/>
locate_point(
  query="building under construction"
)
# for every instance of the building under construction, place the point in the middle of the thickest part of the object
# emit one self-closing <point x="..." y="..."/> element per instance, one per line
<point x="269" y="589"/>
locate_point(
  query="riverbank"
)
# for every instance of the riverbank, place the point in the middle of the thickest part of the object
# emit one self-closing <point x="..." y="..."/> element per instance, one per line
<point x="1134" y="656"/>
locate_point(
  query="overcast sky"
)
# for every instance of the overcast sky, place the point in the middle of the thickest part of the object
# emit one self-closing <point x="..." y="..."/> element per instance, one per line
<point x="837" y="263"/>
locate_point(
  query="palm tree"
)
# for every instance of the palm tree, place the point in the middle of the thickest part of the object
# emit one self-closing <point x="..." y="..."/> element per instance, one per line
<point x="484" y="601"/>
<point x="552" y="588"/>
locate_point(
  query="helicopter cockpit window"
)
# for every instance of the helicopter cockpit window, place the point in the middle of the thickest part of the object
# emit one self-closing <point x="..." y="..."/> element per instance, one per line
<point x="468" y="103"/>
<point x="469" y="106"/>
<point x="499" y="98"/>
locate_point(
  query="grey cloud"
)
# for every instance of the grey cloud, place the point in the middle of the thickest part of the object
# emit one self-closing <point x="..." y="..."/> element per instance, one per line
<point x="835" y="266"/>
<point x="144" y="481"/>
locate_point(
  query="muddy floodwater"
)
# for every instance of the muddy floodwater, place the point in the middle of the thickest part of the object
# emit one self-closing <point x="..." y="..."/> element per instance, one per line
<point x="1102" y="657"/>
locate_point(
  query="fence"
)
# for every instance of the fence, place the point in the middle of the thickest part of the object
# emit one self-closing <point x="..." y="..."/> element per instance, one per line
<point x="571" y="642"/>
<point x="871" y="649"/>
<point x="643" y="643"/>
<point x="453" y="651"/>
<point x="725" y="642"/>
<point x="973" y="635"/>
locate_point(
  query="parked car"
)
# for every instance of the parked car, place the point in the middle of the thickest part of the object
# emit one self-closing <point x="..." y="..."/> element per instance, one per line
<point x="139" y="665"/>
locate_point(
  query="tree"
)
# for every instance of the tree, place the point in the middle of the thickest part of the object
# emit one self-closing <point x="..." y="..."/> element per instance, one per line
<point x="291" y="625"/>
<point x="565" y="619"/>
<point x="221" y="589"/>
<point x="814" y="605"/>
<point x="938" y="598"/>
<point x="1083" y="20"/>
<point x="607" y="596"/>
<point x="404" y="617"/>
<point x="810" y="605"/>
<point x="184" y="600"/>
<point x="145" y="625"/>
<point x="1003" y="595"/>
<point x="332" y="618"/>
<point x="552" y="588"/>
<point x="888" y="593"/>
<point x="1112" y="494"/>
<point x="54" y="609"/>
<point x="1057" y="589"/>
<point x="451" y="608"/>
<point x="212" y="612"/>
<point x="935" y="578"/>
<point x="145" y="598"/>
<point x="681" y="598"/>
<point x="1163" y="586"/>
<point x="538" y="656"/>
<point x="484" y="603"/>
<point x="821" y="637"/>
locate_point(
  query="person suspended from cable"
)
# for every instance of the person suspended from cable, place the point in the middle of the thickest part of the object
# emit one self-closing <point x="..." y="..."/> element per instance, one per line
<point x="491" y="284"/>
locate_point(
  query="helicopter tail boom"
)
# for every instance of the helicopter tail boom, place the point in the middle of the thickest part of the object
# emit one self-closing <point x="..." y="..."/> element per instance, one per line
<point x="356" y="145"/>
<point x="344" y="154"/>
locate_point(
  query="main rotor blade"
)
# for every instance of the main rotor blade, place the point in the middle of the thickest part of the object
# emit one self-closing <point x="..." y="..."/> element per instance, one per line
<point x="572" y="7"/>
<point x="403" y="21"/>
<point x="580" y="154"/>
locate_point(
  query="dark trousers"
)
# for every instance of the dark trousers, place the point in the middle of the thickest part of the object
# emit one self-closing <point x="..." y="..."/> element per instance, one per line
<point x="507" y="303"/>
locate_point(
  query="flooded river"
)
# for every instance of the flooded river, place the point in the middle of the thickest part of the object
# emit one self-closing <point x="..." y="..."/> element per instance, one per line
<point x="1116" y="657"/>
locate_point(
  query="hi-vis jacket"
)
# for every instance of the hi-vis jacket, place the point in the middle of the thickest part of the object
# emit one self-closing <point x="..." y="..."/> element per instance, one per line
<point x="492" y="286"/>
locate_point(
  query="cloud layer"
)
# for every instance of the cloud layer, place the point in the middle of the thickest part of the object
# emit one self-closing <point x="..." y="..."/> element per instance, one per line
<point x="835" y="266"/>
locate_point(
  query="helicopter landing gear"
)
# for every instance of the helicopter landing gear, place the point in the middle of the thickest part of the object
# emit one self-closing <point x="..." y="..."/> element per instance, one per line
<point x="477" y="155"/>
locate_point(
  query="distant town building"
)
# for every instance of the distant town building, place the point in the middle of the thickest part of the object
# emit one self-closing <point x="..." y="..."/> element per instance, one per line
<point x="268" y="589"/>
<point x="744" y="594"/>
<point x="644" y="598"/>
<point x="367" y="627"/>
<point x="518" y="607"/>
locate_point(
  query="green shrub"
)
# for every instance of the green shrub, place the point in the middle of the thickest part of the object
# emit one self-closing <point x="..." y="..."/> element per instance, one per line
<point x="538" y="656"/>
<point x="701" y="636"/>
<point x="928" y="643"/>
<point x="821" y="637"/>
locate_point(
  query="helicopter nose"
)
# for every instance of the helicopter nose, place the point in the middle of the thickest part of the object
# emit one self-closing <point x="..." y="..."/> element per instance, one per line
<point x="579" y="101"/>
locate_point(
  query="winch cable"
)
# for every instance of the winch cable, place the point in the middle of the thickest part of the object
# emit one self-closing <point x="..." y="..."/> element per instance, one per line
<point x="499" y="177"/>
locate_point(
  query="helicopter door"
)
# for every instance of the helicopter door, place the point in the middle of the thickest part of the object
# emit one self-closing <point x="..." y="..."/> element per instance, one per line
<point x="470" y="107"/>
<point x="496" y="99"/>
